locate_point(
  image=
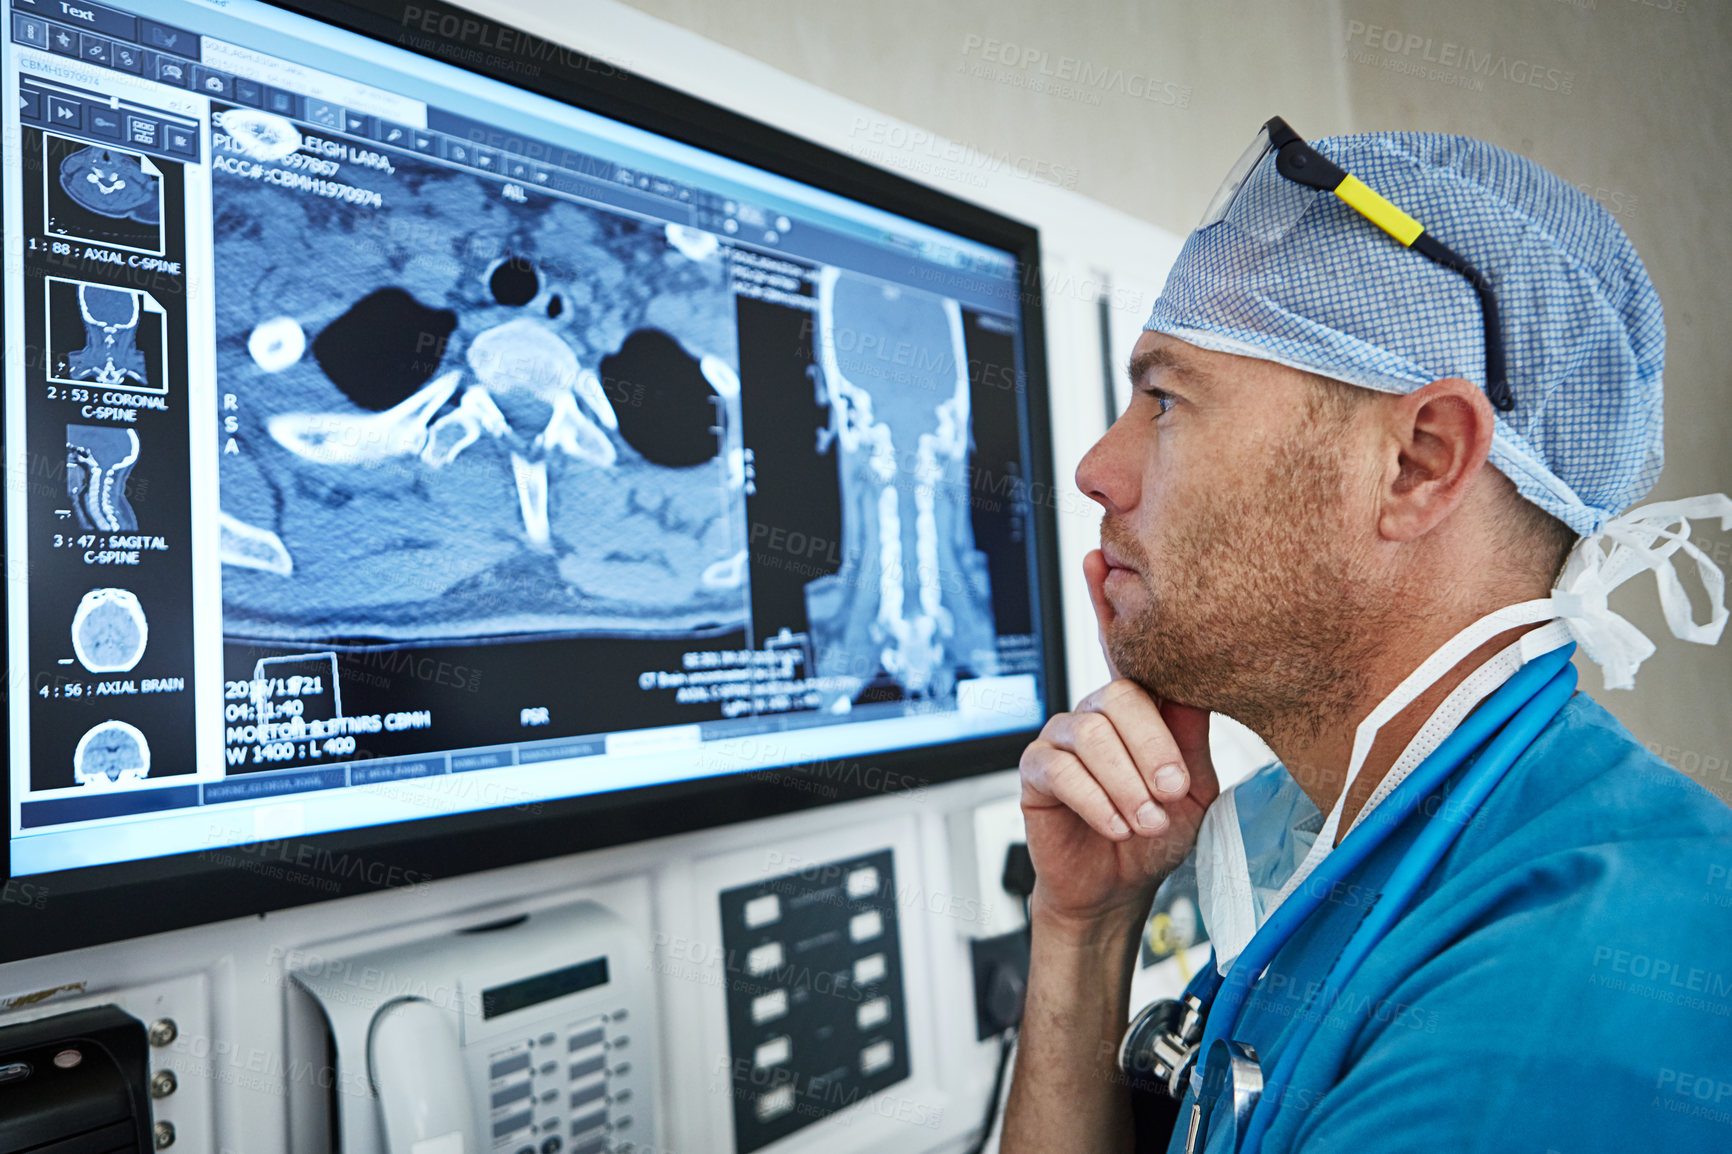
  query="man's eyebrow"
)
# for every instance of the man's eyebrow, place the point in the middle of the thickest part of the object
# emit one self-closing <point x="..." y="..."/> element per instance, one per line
<point x="1163" y="357"/>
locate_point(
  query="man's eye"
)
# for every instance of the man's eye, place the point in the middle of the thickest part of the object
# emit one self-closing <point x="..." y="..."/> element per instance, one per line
<point x="1164" y="401"/>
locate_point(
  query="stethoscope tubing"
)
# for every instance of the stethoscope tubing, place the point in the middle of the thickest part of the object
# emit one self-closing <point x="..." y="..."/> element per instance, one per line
<point x="1410" y="875"/>
<point x="1513" y="699"/>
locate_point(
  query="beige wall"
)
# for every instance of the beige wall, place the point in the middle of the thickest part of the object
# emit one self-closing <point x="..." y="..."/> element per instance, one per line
<point x="1628" y="99"/>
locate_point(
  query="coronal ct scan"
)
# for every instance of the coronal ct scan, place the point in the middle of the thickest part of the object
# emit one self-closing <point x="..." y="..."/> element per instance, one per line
<point x="450" y="413"/>
<point x="110" y="754"/>
<point x="913" y="591"/>
<point x="104" y="336"/>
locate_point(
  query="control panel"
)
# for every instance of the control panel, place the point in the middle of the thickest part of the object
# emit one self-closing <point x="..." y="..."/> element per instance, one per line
<point x="816" y="1013"/>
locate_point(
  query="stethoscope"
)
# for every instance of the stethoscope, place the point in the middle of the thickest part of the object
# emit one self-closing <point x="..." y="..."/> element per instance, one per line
<point x="1188" y="1044"/>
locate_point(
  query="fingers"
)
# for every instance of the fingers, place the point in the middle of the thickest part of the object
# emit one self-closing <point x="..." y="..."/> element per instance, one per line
<point x="1095" y="574"/>
<point x="1112" y="761"/>
<point x="1052" y="777"/>
<point x="1143" y="731"/>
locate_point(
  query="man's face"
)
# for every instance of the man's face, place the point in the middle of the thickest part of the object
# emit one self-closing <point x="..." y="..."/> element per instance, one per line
<point x="1236" y="506"/>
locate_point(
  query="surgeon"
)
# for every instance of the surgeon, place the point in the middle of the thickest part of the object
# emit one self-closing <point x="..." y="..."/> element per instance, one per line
<point x="1390" y="414"/>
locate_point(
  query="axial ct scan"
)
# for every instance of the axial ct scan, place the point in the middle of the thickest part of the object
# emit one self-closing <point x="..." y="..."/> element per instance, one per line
<point x="457" y="413"/>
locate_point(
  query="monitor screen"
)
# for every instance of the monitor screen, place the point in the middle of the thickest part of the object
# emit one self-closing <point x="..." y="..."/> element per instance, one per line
<point x="389" y="441"/>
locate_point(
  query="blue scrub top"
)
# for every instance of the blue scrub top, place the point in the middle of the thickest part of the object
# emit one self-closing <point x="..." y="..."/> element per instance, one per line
<point x="1562" y="984"/>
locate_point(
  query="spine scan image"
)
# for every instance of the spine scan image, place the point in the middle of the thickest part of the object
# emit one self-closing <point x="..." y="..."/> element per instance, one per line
<point x="912" y="602"/>
<point x="98" y="461"/>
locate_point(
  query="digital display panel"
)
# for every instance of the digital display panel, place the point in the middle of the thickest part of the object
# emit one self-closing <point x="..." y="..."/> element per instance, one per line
<point x="386" y="442"/>
<point x="497" y="1000"/>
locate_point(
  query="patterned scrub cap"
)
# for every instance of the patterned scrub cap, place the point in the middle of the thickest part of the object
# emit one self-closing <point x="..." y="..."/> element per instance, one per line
<point x="1293" y="275"/>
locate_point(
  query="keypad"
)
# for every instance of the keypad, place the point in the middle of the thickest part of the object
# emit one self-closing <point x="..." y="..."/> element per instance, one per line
<point x="561" y="1091"/>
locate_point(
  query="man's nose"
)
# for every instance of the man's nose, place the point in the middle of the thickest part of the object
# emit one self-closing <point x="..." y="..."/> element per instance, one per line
<point x="1109" y="472"/>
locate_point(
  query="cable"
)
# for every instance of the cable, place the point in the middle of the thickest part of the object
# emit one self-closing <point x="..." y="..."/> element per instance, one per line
<point x="1018" y="881"/>
<point x="1007" y="1043"/>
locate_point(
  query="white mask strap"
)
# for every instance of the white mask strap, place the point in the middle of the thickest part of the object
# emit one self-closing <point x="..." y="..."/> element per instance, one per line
<point x="1640" y="539"/>
<point x="1479" y="685"/>
<point x="1430" y="671"/>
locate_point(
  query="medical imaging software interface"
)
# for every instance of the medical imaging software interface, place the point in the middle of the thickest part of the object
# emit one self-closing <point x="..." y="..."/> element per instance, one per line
<point x="386" y="442"/>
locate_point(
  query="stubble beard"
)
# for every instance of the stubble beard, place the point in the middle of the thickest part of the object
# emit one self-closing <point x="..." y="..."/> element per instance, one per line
<point x="1256" y="609"/>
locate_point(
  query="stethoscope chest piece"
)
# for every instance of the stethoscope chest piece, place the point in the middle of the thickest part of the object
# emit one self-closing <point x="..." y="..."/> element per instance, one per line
<point x="1161" y="1043"/>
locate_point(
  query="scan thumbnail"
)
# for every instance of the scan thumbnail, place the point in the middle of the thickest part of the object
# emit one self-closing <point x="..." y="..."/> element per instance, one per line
<point x="111" y="754"/>
<point x="99" y="462"/>
<point x="98" y="193"/>
<point x="109" y="630"/>
<point x="104" y="336"/>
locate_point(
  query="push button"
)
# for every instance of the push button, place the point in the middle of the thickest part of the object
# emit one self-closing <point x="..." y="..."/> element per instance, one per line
<point x="105" y="122"/>
<point x="92" y="17"/>
<point x="171" y="71"/>
<point x="169" y="39"/>
<point x="212" y="83"/>
<point x="141" y="131"/>
<point x="63" y="41"/>
<point x="324" y="113"/>
<point x="30" y="31"/>
<point x="177" y="138"/>
<point x="65" y="113"/>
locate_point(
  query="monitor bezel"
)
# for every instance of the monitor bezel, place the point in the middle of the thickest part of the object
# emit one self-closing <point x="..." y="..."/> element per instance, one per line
<point x="49" y="913"/>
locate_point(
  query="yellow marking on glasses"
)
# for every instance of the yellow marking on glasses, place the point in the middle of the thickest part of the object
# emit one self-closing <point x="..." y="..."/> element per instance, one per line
<point x="1378" y="211"/>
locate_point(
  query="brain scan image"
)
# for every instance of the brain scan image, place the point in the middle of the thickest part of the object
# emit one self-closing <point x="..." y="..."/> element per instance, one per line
<point x="99" y="461"/>
<point x="103" y="194"/>
<point x="913" y="597"/>
<point x="111" y="754"/>
<point x="461" y="414"/>
<point x="109" y="630"/>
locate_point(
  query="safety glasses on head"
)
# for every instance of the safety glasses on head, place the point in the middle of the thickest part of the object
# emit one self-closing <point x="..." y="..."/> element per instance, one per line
<point x="1302" y="164"/>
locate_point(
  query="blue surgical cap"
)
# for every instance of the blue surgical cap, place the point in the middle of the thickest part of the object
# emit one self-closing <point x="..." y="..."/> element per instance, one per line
<point x="1295" y="276"/>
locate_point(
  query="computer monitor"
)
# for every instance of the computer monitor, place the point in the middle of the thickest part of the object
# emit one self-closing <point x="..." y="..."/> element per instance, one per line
<point x="429" y="448"/>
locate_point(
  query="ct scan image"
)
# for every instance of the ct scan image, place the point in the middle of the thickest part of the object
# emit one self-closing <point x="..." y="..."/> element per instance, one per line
<point x="109" y="630"/>
<point x="913" y="599"/>
<point x="103" y="194"/>
<point x="99" y="460"/>
<point x="103" y="336"/>
<point x="111" y="754"/>
<point x="464" y="409"/>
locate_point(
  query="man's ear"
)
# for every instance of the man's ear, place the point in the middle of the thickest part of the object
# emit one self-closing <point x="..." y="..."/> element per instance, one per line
<point x="1439" y="438"/>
